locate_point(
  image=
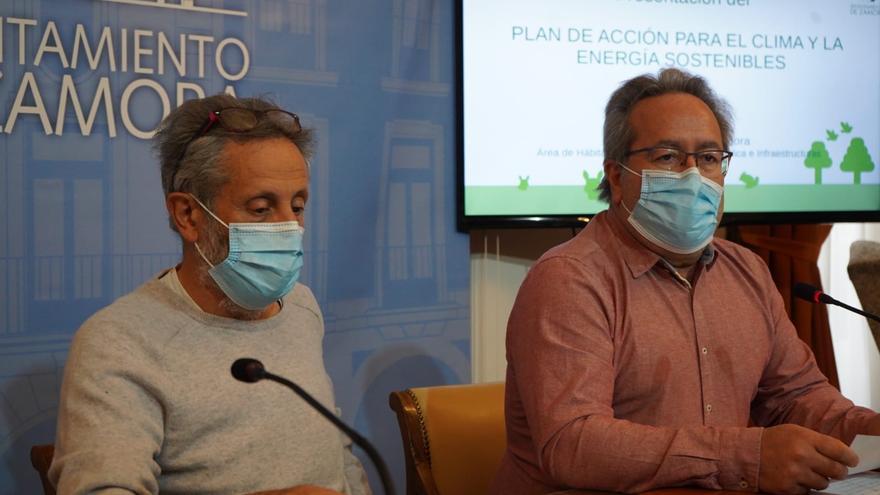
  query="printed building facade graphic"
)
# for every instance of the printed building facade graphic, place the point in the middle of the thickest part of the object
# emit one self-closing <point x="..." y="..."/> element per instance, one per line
<point x="282" y="23"/>
<point x="83" y="219"/>
<point x="416" y="35"/>
<point x="186" y="5"/>
<point x="412" y="209"/>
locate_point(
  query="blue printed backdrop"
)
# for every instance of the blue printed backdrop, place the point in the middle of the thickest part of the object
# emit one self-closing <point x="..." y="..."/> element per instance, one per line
<point x="82" y="85"/>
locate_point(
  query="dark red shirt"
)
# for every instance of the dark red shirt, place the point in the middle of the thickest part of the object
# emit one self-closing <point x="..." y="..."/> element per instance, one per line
<point x="622" y="376"/>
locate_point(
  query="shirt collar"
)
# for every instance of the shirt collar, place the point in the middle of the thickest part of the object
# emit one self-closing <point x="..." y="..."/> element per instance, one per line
<point x="640" y="259"/>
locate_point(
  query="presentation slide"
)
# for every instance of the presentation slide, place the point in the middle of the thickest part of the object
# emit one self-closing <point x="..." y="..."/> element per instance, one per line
<point x="801" y="76"/>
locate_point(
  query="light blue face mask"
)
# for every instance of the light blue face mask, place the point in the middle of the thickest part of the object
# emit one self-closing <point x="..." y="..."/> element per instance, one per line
<point x="263" y="264"/>
<point x="676" y="211"/>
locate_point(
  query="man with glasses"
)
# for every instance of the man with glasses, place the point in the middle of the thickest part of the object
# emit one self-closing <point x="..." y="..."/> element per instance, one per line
<point x="148" y="403"/>
<point x="644" y="353"/>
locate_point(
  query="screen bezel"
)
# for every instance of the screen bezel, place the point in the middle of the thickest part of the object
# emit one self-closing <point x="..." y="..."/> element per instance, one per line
<point x="466" y="222"/>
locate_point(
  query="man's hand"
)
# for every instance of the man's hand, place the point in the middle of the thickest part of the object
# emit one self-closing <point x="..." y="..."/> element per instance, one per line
<point x="795" y="459"/>
<point x="300" y="490"/>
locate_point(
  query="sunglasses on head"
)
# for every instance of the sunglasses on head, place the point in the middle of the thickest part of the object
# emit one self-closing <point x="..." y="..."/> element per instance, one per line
<point x="235" y="119"/>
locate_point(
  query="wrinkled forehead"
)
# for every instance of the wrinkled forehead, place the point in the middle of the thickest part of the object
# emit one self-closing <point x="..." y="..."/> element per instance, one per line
<point x="675" y="119"/>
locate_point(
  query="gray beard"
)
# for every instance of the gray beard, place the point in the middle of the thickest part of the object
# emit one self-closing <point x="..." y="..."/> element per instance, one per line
<point x="215" y="247"/>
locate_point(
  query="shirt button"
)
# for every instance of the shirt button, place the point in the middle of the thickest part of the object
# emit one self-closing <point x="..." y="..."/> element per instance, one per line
<point x="705" y="350"/>
<point x="743" y="484"/>
<point x="708" y="407"/>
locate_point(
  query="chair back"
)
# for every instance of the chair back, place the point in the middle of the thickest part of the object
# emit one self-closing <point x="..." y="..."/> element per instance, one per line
<point x="453" y="437"/>
<point x="864" y="271"/>
<point x="41" y="459"/>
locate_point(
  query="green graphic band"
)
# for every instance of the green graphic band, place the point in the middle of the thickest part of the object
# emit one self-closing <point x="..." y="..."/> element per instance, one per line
<point x="571" y="200"/>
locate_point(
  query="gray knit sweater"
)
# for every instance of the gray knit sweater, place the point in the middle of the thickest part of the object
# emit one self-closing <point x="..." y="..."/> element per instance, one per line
<point x="148" y="404"/>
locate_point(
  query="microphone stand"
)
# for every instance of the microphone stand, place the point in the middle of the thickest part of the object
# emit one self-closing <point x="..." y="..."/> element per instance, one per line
<point x="855" y="310"/>
<point x="361" y="442"/>
<point x="815" y="295"/>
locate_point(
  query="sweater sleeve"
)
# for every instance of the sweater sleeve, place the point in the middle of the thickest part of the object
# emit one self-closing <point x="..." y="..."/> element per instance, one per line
<point x="355" y="476"/>
<point x="356" y="482"/>
<point x="110" y="425"/>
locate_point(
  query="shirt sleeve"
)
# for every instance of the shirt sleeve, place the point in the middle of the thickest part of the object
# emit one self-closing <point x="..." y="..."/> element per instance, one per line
<point x="562" y="354"/>
<point x="110" y="426"/>
<point x="793" y="390"/>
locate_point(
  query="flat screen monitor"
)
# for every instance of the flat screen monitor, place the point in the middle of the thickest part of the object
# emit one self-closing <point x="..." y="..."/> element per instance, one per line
<point x="801" y="76"/>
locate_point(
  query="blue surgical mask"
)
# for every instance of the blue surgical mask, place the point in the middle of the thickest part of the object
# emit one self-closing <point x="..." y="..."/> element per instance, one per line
<point x="676" y="211"/>
<point x="263" y="264"/>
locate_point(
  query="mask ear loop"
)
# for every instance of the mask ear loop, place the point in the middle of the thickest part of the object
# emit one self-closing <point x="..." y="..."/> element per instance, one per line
<point x="196" y="244"/>
<point x="202" y="254"/>
<point x="622" y="166"/>
<point x="209" y="211"/>
<point x="630" y="171"/>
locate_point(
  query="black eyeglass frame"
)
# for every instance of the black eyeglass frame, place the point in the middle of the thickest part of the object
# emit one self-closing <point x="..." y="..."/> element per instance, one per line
<point x="726" y="155"/>
<point x="215" y="117"/>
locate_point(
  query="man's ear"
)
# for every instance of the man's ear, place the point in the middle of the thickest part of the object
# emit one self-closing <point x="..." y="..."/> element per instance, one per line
<point x="186" y="215"/>
<point x="612" y="175"/>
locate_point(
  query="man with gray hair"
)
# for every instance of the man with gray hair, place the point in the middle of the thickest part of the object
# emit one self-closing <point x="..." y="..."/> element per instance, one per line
<point x="645" y="353"/>
<point x="148" y="404"/>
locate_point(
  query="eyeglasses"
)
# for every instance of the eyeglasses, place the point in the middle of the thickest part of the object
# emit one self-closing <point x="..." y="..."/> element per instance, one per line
<point x="235" y="119"/>
<point x="710" y="162"/>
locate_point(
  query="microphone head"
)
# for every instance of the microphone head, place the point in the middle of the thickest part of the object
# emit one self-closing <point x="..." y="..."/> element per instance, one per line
<point x="807" y="292"/>
<point x="248" y="370"/>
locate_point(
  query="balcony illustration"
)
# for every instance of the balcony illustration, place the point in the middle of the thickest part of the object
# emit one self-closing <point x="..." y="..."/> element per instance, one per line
<point x="189" y="5"/>
<point x="415" y="35"/>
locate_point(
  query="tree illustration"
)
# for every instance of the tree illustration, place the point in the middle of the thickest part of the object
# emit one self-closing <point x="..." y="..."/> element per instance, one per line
<point x="817" y="159"/>
<point x="857" y="160"/>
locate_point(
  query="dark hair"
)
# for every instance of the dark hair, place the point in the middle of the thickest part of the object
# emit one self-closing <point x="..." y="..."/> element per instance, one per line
<point x="618" y="135"/>
<point x="201" y="171"/>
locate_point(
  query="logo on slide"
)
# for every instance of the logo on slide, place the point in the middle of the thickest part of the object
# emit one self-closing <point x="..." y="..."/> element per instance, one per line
<point x="865" y="7"/>
<point x="188" y="5"/>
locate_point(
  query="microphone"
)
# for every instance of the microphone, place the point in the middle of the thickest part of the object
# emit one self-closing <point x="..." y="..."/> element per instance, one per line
<point x="815" y="295"/>
<point x="250" y="370"/>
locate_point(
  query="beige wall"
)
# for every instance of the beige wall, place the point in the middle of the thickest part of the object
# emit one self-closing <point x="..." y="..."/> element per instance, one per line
<point x="499" y="262"/>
